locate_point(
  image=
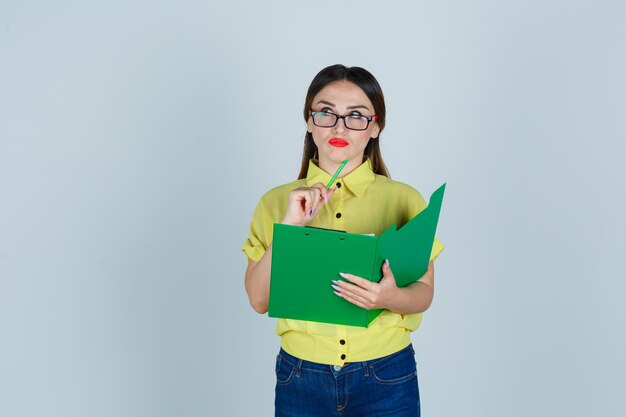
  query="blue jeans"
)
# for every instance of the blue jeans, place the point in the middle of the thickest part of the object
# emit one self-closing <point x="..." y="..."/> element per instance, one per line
<point x="385" y="386"/>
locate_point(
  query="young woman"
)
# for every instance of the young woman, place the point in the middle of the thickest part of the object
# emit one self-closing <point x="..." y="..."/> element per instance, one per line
<point x="333" y="370"/>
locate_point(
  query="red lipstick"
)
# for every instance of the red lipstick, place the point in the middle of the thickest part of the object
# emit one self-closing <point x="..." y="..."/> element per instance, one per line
<point x="339" y="143"/>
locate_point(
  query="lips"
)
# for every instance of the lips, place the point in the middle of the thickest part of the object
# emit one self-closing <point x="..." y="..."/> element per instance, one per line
<point x="338" y="143"/>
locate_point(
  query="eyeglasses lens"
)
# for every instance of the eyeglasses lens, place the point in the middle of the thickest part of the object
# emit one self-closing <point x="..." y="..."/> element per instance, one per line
<point x="356" y="122"/>
<point x="324" y="119"/>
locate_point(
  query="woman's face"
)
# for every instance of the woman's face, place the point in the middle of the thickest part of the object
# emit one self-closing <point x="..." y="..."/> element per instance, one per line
<point x="337" y="143"/>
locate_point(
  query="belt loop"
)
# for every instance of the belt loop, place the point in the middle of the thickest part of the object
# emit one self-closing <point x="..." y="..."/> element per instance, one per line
<point x="366" y="369"/>
<point x="298" y="367"/>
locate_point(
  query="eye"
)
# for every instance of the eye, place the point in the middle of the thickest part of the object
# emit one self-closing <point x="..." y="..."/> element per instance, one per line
<point x="324" y="113"/>
<point x="355" y="115"/>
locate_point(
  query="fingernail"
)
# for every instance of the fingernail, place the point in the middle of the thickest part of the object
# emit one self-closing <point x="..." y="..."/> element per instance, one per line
<point x="387" y="262"/>
<point x="326" y="198"/>
<point x="313" y="212"/>
<point x="307" y="213"/>
<point x="336" y="288"/>
<point x="334" y="281"/>
<point x="337" y="294"/>
<point x="343" y="275"/>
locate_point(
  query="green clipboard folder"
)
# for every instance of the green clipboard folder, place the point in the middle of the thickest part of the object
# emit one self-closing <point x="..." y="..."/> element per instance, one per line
<point x="306" y="259"/>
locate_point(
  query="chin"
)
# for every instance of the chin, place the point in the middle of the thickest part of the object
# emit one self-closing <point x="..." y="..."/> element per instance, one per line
<point x="339" y="155"/>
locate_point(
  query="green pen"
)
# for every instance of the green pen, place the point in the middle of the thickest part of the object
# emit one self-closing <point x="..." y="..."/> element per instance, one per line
<point x="343" y="164"/>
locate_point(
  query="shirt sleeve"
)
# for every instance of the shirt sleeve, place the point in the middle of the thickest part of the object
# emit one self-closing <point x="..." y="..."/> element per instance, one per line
<point x="259" y="236"/>
<point x="437" y="249"/>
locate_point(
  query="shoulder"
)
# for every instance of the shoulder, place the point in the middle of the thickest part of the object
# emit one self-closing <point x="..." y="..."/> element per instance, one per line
<point x="399" y="193"/>
<point x="398" y="188"/>
<point x="277" y="197"/>
<point x="281" y="191"/>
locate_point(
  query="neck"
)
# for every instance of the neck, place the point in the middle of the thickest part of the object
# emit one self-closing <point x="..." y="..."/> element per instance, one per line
<point x="330" y="166"/>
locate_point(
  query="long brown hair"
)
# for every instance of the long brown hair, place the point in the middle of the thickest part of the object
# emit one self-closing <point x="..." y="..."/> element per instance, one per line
<point x="366" y="82"/>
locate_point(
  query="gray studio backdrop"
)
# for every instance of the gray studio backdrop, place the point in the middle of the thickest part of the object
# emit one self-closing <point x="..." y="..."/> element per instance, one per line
<point x="136" y="138"/>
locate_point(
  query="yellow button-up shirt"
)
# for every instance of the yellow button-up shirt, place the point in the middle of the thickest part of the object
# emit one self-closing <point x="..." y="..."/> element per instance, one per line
<point x="364" y="203"/>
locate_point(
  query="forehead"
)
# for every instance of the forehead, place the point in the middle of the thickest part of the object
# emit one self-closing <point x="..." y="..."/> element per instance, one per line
<point x="343" y="94"/>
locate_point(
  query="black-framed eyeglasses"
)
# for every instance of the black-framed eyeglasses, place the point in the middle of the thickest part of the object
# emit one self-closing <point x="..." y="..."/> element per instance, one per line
<point x="351" y="121"/>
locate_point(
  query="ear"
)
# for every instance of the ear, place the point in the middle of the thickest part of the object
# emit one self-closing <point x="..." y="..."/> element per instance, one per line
<point x="309" y="125"/>
<point x="375" y="131"/>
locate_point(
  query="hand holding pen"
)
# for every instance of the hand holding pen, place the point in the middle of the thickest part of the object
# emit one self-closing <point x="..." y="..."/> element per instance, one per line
<point x="306" y="202"/>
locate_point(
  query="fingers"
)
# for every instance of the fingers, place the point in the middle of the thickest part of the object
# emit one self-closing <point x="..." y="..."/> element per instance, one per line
<point x="330" y="192"/>
<point x="387" y="270"/>
<point x="300" y="206"/>
<point x="364" y="293"/>
<point x="354" y="294"/>
<point x="312" y="198"/>
<point x="305" y="203"/>
<point x="316" y="198"/>
<point x="357" y="288"/>
<point x="361" y="282"/>
<point x="308" y="199"/>
<point x="352" y="290"/>
<point x="324" y="192"/>
<point x="356" y="300"/>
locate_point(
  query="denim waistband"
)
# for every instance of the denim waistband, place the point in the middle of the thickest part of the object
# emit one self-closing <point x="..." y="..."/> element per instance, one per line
<point x="347" y="367"/>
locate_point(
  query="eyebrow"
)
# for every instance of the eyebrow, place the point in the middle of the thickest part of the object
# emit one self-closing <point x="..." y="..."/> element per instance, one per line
<point x="359" y="106"/>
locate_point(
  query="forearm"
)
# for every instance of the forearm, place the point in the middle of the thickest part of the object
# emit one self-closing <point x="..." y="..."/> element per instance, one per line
<point x="414" y="298"/>
<point x="258" y="282"/>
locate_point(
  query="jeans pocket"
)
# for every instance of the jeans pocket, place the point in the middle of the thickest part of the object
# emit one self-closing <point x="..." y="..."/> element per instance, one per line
<point x="395" y="369"/>
<point x="284" y="371"/>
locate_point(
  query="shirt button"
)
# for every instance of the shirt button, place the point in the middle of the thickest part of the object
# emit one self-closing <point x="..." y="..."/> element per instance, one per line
<point x="338" y="185"/>
<point x="343" y="357"/>
<point x="343" y="342"/>
<point x="338" y="215"/>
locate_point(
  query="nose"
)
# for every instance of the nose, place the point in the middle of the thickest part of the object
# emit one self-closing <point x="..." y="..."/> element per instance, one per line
<point x="340" y="126"/>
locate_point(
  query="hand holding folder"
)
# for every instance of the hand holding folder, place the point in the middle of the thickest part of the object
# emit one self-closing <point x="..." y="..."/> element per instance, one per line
<point x="301" y="269"/>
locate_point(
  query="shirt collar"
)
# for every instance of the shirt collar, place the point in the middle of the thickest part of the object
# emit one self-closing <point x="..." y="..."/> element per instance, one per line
<point x="357" y="181"/>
